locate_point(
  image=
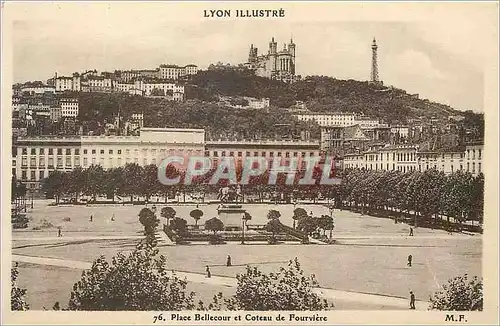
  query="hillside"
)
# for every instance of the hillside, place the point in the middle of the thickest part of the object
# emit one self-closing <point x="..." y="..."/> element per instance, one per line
<point x="320" y="93"/>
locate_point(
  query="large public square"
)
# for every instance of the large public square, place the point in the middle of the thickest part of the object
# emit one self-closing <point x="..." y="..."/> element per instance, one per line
<point x="367" y="261"/>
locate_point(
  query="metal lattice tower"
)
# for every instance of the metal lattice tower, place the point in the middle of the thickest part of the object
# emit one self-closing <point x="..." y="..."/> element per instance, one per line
<point x="374" y="74"/>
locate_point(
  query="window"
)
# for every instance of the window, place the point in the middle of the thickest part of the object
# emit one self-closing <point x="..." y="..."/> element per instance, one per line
<point x="311" y="154"/>
<point x="32" y="175"/>
<point x="468" y="167"/>
<point x="84" y="151"/>
<point x="41" y="175"/>
<point x="223" y="153"/>
<point x="85" y="162"/>
<point x="239" y="154"/>
<point x="295" y="154"/>
<point x="24" y="175"/>
<point x="42" y="151"/>
<point x="42" y="161"/>
<point x="231" y="153"/>
<point x="51" y="162"/>
<point x="94" y="161"/>
<point x="59" y="151"/>
<point x="119" y="151"/>
<point x="68" y="151"/>
<point x="102" y="151"/>
<point x="25" y="151"/>
<point x="77" y="151"/>
<point x="279" y="154"/>
<point x="32" y="162"/>
<point x="215" y="154"/>
<point x="93" y="151"/>
<point x="110" y="151"/>
<point x="68" y="161"/>
<point x="287" y="154"/>
<point x="255" y="153"/>
<point x="271" y="154"/>
<point x="478" y="167"/>
<point x="247" y="153"/>
<point x="59" y="162"/>
<point x="473" y="167"/>
<point x="461" y="167"/>
<point x="452" y="169"/>
<point x="33" y="151"/>
<point x="479" y="154"/>
<point x="303" y="154"/>
<point x="263" y="154"/>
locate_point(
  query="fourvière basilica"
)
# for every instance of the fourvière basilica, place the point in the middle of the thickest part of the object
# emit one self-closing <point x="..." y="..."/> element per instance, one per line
<point x="279" y="65"/>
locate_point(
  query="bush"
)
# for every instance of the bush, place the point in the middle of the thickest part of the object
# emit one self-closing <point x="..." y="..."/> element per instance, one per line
<point x="67" y="219"/>
<point x="17" y="299"/>
<point x="288" y="289"/>
<point x="460" y="294"/>
<point x="137" y="282"/>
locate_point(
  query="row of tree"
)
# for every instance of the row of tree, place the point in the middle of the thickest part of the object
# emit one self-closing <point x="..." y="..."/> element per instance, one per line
<point x="423" y="195"/>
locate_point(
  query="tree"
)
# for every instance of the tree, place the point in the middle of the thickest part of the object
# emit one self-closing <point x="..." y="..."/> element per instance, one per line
<point x="168" y="213"/>
<point x="288" y="289"/>
<point x="148" y="220"/>
<point x="138" y="281"/>
<point x="149" y="181"/>
<point x="94" y="175"/>
<point x="179" y="225"/>
<point x="298" y="213"/>
<point x="459" y="294"/>
<point x="273" y="214"/>
<point x="132" y="180"/>
<point x="17" y="295"/>
<point x="214" y="224"/>
<point x="196" y="214"/>
<point x="308" y="224"/>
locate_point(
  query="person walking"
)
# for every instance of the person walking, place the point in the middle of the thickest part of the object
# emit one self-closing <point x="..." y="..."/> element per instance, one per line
<point x="59" y="233"/>
<point x="209" y="275"/>
<point x="91" y="218"/>
<point x="113" y="217"/>
<point x="411" y="232"/>
<point x="228" y="262"/>
<point x="412" y="300"/>
<point x="409" y="260"/>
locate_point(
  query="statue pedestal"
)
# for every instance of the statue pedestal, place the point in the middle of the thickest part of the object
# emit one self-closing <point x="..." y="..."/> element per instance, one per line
<point x="232" y="216"/>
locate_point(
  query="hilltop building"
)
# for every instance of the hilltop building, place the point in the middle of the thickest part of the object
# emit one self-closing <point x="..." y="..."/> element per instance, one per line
<point x="278" y="65"/>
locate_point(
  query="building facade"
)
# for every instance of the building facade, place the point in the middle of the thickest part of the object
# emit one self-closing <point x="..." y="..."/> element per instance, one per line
<point x="36" y="157"/>
<point x="279" y="65"/>
<point x="69" y="107"/>
<point x="406" y="158"/>
<point x="174" y="72"/>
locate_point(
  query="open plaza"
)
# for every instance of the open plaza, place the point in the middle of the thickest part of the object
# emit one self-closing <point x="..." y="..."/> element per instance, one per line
<point x="365" y="268"/>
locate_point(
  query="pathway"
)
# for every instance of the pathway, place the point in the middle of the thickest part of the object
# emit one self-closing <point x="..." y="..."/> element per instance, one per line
<point x="334" y="295"/>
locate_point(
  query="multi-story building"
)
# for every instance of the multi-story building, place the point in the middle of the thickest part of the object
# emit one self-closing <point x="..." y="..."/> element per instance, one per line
<point x="174" y="72"/>
<point x="55" y="113"/>
<point x="68" y="83"/>
<point x="69" y="107"/>
<point x="279" y="65"/>
<point x="400" y="131"/>
<point x="269" y="149"/>
<point x="407" y="158"/>
<point x="33" y="89"/>
<point x="97" y="84"/>
<point x="152" y="87"/>
<point x="258" y="104"/>
<point x="338" y="119"/>
<point x="36" y="157"/>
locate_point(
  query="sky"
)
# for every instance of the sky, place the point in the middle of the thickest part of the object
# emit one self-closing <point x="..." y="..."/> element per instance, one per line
<point x="440" y="60"/>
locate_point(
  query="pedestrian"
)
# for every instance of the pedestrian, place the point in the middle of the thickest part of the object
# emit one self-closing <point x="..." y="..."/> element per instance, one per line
<point x="209" y="275"/>
<point x="411" y="232"/>
<point x="91" y="218"/>
<point x="409" y="260"/>
<point x="113" y="217"/>
<point x="412" y="300"/>
<point x="228" y="262"/>
<point x="59" y="233"/>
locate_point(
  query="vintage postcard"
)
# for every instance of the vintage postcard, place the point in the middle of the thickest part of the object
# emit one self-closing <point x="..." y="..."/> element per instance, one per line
<point x="236" y="163"/>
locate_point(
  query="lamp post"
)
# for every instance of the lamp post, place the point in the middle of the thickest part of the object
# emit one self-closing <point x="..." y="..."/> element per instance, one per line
<point x="333" y="223"/>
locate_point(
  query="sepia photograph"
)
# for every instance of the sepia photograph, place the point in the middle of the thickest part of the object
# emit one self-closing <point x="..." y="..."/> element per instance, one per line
<point x="236" y="163"/>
